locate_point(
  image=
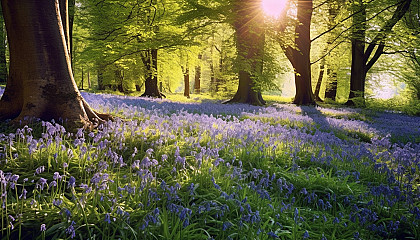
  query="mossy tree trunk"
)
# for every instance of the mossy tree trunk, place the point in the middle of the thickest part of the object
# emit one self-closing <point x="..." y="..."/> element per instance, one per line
<point x="40" y="83"/>
<point x="249" y="30"/>
<point x="150" y="59"/>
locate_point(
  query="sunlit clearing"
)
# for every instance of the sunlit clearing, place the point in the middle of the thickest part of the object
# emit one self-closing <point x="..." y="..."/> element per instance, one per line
<point x="273" y="8"/>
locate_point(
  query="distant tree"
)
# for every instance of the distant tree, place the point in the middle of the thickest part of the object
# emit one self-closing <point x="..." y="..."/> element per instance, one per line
<point x="197" y="78"/>
<point x="186" y="72"/>
<point x="408" y="45"/>
<point x="326" y="65"/>
<point x="150" y="59"/>
<point x="363" y="58"/>
<point x="41" y="83"/>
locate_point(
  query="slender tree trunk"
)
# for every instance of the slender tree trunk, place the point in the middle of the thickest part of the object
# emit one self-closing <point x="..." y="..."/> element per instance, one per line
<point x="72" y="11"/>
<point x="119" y="76"/>
<point x="81" y="87"/>
<point x="186" y="72"/>
<point x="250" y="47"/>
<point x="100" y="74"/>
<point x="331" y="86"/>
<point x="300" y="57"/>
<point x="3" y="64"/>
<point x="88" y="78"/>
<point x="197" y="79"/>
<point x="151" y="83"/>
<point x="41" y="84"/>
<point x="319" y="82"/>
<point x="212" y="79"/>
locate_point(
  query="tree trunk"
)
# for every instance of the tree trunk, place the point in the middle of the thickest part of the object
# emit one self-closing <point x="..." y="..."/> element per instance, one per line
<point x="41" y="84"/>
<point x="81" y="87"/>
<point x="331" y="84"/>
<point x="72" y="10"/>
<point x="331" y="88"/>
<point x="300" y="57"/>
<point x="138" y="87"/>
<point x="186" y="82"/>
<point x="119" y="76"/>
<point x="197" y="79"/>
<point x="250" y="40"/>
<point x="363" y="59"/>
<point x="212" y="79"/>
<point x="3" y="64"/>
<point x="151" y="84"/>
<point x="100" y="74"/>
<point x="319" y="82"/>
<point x="88" y="79"/>
<point x="358" y="61"/>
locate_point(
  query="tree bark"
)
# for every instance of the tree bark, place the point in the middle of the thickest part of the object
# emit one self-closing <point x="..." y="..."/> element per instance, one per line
<point x="331" y="86"/>
<point x="197" y="79"/>
<point x="72" y="11"/>
<point x="250" y="40"/>
<point x="100" y="75"/>
<point x="41" y="84"/>
<point x="88" y="79"/>
<point x="363" y="59"/>
<point x="186" y="73"/>
<point x="151" y="84"/>
<point x="358" y="62"/>
<point x="300" y="57"/>
<point x="319" y="82"/>
<point x="3" y="64"/>
<point x="82" y="84"/>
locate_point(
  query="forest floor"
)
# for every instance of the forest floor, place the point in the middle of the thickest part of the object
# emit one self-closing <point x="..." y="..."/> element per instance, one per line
<point x="198" y="169"/>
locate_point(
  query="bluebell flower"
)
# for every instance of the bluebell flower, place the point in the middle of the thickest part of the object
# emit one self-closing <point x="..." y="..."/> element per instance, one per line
<point x="305" y="235"/>
<point x="272" y="234"/>
<point x="226" y="225"/>
<point x="71" y="182"/>
<point x="71" y="230"/>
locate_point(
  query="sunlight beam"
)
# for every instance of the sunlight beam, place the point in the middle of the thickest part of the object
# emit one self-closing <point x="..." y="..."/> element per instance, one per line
<point x="273" y="8"/>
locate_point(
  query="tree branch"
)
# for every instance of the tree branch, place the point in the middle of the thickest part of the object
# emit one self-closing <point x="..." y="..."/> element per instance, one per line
<point x="398" y="14"/>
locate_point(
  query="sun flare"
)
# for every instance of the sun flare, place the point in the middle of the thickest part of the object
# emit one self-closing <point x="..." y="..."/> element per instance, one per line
<point x="273" y="8"/>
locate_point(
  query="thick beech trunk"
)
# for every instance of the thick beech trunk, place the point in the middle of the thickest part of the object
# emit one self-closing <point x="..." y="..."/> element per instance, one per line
<point x="250" y="39"/>
<point x="41" y="83"/>
<point x="300" y="57"/>
<point x="151" y="83"/>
